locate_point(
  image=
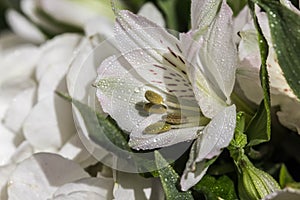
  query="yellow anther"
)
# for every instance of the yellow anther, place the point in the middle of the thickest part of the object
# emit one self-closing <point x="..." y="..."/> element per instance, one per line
<point x="175" y="118"/>
<point x="155" y="108"/>
<point x="153" y="97"/>
<point x="158" y="127"/>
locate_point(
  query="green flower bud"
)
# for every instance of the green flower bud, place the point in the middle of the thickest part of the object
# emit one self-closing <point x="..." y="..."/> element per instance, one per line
<point x="254" y="183"/>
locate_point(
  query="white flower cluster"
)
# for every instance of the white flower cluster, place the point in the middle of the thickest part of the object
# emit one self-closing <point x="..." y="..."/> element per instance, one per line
<point x="41" y="154"/>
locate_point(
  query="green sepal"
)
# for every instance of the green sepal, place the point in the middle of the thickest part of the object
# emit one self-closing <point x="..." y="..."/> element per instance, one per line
<point x="236" y="6"/>
<point x="170" y="179"/>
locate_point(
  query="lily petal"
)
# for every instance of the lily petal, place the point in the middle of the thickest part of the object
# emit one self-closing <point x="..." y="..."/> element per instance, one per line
<point x="215" y="136"/>
<point x="144" y="43"/>
<point x="134" y="31"/>
<point x="189" y="179"/>
<point x="203" y="13"/>
<point x="216" y="61"/>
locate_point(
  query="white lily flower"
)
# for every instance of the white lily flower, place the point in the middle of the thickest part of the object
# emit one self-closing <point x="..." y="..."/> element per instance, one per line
<point x="248" y="74"/>
<point x="165" y="91"/>
<point x="84" y="67"/>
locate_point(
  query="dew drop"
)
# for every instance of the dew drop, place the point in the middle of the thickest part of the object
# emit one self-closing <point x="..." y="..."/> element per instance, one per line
<point x="137" y="90"/>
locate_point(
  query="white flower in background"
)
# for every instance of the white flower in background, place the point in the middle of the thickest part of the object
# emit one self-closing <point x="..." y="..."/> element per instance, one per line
<point x="43" y="17"/>
<point x="33" y="118"/>
<point x="165" y="91"/>
<point x="286" y="193"/>
<point x="248" y="74"/>
<point x="50" y="176"/>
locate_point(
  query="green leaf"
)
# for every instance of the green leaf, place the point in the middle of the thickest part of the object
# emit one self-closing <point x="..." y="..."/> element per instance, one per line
<point x="176" y="13"/>
<point x="102" y="130"/>
<point x="284" y="177"/>
<point x="285" y="32"/>
<point x="212" y="188"/>
<point x="236" y="6"/>
<point x="259" y="129"/>
<point x="170" y="179"/>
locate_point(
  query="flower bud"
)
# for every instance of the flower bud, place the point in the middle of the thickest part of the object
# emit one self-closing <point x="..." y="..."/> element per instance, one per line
<point x="254" y="183"/>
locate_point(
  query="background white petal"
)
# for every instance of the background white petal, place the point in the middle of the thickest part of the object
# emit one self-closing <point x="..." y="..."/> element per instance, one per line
<point x="49" y="124"/>
<point x="19" y="109"/>
<point x="141" y="188"/>
<point x="39" y="176"/>
<point x="59" y="50"/>
<point x="24" y="28"/>
<point x="101" y="188"/>
<point x="203" y="13"/>
<point x="5" y="172"/>
<point x="7" y="145"/>
<point x="149" y="11"/>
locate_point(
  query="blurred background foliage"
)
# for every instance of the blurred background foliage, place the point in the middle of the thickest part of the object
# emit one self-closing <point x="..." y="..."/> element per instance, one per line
<point x="176" y="12"/>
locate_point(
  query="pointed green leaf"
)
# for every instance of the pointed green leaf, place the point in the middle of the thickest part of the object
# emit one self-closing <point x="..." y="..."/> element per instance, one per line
<point x="236" y="6"/>
<point x="285" y="177"/>
<point x="212" y="188"/>
<point x="259" y="129"/>
<point x="170" y="180"/>
<point x="285" y="32"/>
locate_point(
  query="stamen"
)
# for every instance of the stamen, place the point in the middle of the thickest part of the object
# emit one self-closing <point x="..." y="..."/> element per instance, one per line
<point x="155" y="108"/>
<point x="175" y="118"/>
<point x="153" y="97"/>
<point x="158" y="127"/>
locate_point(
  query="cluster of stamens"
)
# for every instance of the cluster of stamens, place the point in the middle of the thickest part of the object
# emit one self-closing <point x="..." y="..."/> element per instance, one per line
<point x="173" y="118"/>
